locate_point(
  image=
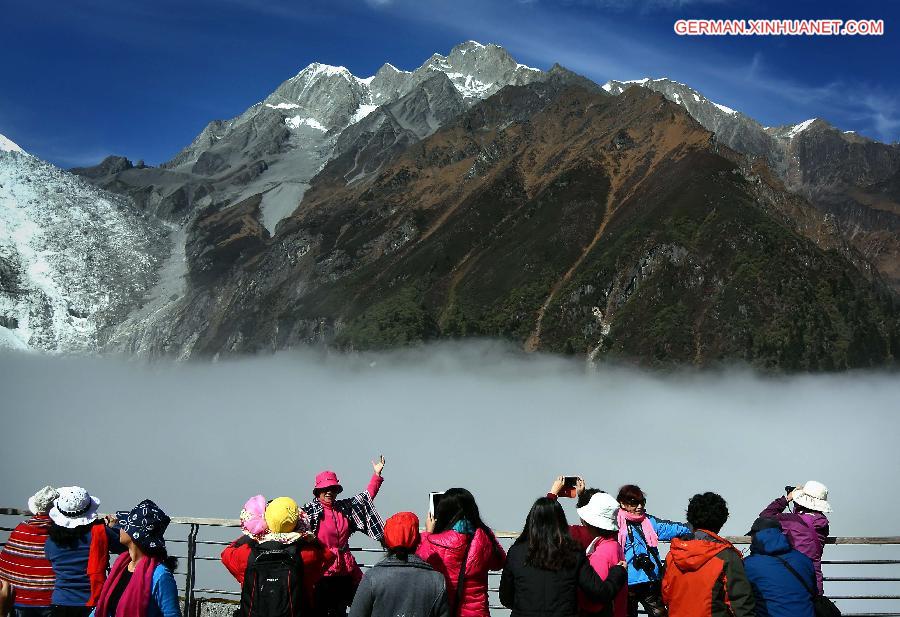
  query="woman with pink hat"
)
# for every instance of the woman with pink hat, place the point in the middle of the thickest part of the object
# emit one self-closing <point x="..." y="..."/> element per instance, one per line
<point x="334" y="521"/>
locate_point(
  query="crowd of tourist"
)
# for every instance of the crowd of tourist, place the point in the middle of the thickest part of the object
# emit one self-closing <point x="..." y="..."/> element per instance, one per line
<point x="293" y="560"/>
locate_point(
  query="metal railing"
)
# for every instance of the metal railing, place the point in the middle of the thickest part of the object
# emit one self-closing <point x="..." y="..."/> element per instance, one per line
<point x="194" y="596"/>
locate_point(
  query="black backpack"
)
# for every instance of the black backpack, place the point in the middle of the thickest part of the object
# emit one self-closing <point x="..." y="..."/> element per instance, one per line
<point x="273" y="582"/>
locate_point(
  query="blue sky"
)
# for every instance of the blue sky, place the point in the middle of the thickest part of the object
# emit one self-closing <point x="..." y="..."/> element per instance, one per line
<point x="81" y="80"/>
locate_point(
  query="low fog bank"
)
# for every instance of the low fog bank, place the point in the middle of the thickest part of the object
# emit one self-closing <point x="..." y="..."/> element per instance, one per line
<point x="201" y="438"/>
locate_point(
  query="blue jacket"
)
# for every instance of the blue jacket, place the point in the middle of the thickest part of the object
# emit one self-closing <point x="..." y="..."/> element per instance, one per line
<point x="73" y="587"/>
<point x="164" y="601"/>
<point x="635" y="545"/>
<point x="778" y="592"/>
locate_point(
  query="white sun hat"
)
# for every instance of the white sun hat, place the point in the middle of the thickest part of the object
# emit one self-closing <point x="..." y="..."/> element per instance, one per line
<point x="600" y="512"/>
<point x="813" y="496"/>
<point x="43" y="500"/>
<point x="74" y="507"/>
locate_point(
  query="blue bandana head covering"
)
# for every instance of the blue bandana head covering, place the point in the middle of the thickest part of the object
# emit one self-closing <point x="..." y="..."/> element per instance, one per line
<point x="146" y="524"/>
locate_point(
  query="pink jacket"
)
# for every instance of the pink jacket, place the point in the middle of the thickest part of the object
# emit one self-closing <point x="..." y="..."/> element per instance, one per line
<point x="334" y="533"/>
<point x="607" y="552"/>
<point x="445" y="550"/>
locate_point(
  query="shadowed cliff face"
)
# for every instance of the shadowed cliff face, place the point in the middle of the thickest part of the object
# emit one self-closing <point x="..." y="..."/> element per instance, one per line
<point x="856" y="182"/>
<point x="565" y="220"/>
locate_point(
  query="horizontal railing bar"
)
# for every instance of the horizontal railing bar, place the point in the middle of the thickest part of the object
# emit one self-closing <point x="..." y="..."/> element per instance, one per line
<point x="862" y="578"/>
<point x="510" y="535"/>
<point x="864" y="597"/>
<point x="222" y="591"/>
<point x="861" y="562"/>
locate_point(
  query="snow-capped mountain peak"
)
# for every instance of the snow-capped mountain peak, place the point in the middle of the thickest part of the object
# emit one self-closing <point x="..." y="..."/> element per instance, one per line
<point x="675" y="91"/>
<point x="317" y="69"/>
<point x="799" y="128"/>
<point x="8" y="145"/>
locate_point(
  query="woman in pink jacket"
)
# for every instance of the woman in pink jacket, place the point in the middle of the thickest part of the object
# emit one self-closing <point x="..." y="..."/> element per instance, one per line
<point x="459" y="545"/>
<point x="599" y="516"/>
<point x="334" y="521"/>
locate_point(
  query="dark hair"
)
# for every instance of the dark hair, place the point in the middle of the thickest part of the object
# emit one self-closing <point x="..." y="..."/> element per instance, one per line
<point x="69" y="537"/>
<point x="459" y="504"/>
<point x="798" y="509"/>
<point x="586" y="495"/>
<point x="456" y="505"/>
<point x="631" y="493"/>
<point x="707" y="511"/>
<point x="162" y="555"/>
<point x="550" y="547"/>
<point x="400" y="552"/>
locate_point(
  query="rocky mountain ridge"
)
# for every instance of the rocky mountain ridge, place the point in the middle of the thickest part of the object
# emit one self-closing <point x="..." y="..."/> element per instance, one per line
<point x="477" y="197"/>
<point x="277" y="145"/>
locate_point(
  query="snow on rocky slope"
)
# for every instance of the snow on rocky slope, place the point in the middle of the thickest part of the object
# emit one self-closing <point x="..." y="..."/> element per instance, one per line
<point x="74" y="259"/>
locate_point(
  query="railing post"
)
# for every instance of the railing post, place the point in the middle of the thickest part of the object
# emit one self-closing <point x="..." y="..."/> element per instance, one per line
<point x="189" y="604"/>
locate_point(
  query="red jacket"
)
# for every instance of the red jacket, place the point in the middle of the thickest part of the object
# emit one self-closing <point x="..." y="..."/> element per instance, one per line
<point x="316" y="560"/>
<point x="705" y="578"/>
<point x="445" y="550"/>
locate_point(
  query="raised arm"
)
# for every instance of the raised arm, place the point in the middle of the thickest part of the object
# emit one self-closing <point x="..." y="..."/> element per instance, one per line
<point x="375" y="482"/>
<point x="775" y="508"/>
<point x="668" y="530"/>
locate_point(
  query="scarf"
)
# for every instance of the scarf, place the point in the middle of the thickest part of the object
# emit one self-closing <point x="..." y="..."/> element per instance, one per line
<point x="359" y="509"/>
<point x="136" y="597"/>
<point x="623" y="518"/>
<point x="464" y="527"/>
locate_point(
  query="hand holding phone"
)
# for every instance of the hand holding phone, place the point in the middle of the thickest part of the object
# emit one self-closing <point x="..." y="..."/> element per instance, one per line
<point x="570" y="486"/>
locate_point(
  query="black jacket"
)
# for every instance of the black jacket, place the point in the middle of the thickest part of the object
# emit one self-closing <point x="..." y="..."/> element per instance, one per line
<point x="533" y="592"/>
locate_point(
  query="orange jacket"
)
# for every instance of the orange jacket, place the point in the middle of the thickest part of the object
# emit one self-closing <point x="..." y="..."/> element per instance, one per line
<point x="705" y="578"/>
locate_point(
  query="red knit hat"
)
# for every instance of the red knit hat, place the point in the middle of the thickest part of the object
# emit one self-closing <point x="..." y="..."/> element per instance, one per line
<point x="402" y="531"/>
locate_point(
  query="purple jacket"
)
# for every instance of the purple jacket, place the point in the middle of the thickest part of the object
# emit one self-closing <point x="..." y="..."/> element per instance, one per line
<point x="807" y="532"/>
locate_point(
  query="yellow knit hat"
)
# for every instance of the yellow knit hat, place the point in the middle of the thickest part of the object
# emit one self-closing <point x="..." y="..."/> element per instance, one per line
<point x="282" y="515"/>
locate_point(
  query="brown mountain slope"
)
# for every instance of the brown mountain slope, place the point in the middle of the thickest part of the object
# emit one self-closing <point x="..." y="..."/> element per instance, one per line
<point x="580" y="223"/>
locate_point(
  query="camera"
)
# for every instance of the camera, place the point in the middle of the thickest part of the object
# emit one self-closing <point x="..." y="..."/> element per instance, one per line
<point x="644" y="562"/>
